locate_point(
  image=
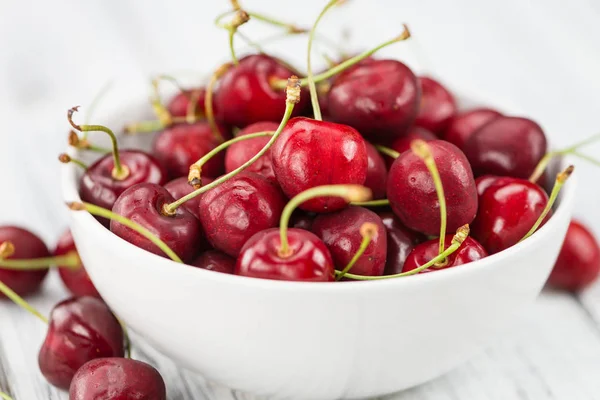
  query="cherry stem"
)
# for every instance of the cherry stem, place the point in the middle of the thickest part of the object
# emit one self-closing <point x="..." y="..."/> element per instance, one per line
<point x="161" y="112"/>
<point x="422" y="150"/>
<point x="126" y="338"/>
<point x="367" y="231"/>
<point x="372" y="203"/>
<point x="65" y="159"/>
<point x="561" y="178"/>
<point x="347" y="192"/>
<point x="119" y="171"/>
<point x="194" y="176"/>
<point x="70" y="260"/>
<point x="208" y="100"/>
<point x="84" y="144"/>
<point x="5" y="396"/>
<point x="191" y="115"/>
<point x="293" y="97"/>
<point x="95" y="101"/>
<point x="461" y="235"/>
<point x="279" y="83"/>
<point x="387" y="151"/>
<point x="290" y="28"/>
<point x="155" y="125"/>
<point x="18" y="300"/>
<point x="240" y="17"/>
<point x="103" y="212"/>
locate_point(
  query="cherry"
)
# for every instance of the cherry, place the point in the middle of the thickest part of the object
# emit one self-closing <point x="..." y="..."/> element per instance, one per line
<point x="80" y="329"/>
<point x="180" y="103"/>
<point x="414" y="194"/>
<point x="402" y="144"/>
<point x="215" y="260"/>
<point x="77" y="281"/>
<point x="235" y="210"/>
<point x="341" y="233"/>
<point x="117" y="379"/>
<point x="302" y="220"/>
<point x="25" y="245"/>
<point x="463" y="125"/>
<point x="578" y="264"/>
<point x="484" y="182"/>
<point x="376" y="172"/>
<point x="239" y="153"/>
<point x="437" y="105"/>
<point x="506" y="146"/>
<point x="180" y="187"/>
<point x="311" y="153"/>
<point x="470" y="250"/>
<point x="400" y="242"/>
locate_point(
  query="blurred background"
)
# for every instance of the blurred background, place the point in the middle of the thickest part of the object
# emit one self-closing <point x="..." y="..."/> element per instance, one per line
<point x="538" y="58"/>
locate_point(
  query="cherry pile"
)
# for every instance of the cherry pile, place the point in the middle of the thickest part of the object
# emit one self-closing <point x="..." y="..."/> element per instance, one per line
<point x="383" y="177"/>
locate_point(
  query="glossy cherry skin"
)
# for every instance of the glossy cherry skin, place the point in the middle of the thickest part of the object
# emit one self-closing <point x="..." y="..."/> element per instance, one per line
<point x="80" y="329"/>
<point x="340" y="231"/>
<point x="235" y="210"/>
<point x="376" y="172"/>
<point x="309" y="261"/>
<point x="413" y="196"/>
<point x="400" y="242"/>
<point x="311" y="153"/>
<point x="484" y="182"/>
<point x="214" y="260"/>
<point x="508" y="208"/>
<point x="245" y="94"/>
<point x="181" y="145"/>
<point x="470" y="250"/>
<point x="178" y="106"/>
<point x="77" y="281"/>
<point x="100" y="188"/>
<point x="27" y="245"/>
<point x="578" y="263"/>
<point x="143" y="204"/>
<point x="463" y="125"/>
<point x="402" y="144"/>
<point x="506" y="146"/>
<point x="180" y="187"/>
<point x="437" y="105"/>
<point x="239" y="153"/>
<point x="117" y="379"/>
<point x="379" y="98"/>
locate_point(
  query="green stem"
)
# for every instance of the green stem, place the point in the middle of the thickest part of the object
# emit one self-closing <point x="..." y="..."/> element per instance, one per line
<point x="367" y="230"/>
<point x="70" y="260"/>
<point x="289" y="27"/>
<point x="586" y="158"/>
<point x="387" y="151"/>
<point x="372" y="203"/>
<point x="208" y="101"/>
<point x="95" y="101"/>
<point x="234" y="58"/>
<point x="103" y="212"/>
<point x="18" y="300"/>
<point x="5" y="396"/>
<point x="126" y="338"/>
<point x="150" y="126"/>
<point x="65" y="159"/>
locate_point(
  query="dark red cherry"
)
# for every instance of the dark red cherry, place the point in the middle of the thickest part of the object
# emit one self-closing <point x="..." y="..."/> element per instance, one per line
<point x="215" y="260"/>
<point x="312" y="153"/>
<point x="506" y="146"/>
<point x="143" y="203"/>
<point x="80" y="329"/>
<point x="246" y="95"/>
<point x="117" y="379"/>
<point x="238" y="153"/>
<point x="237" y="209"/>
<point x="402" y="144"/>
<point x="437" y="105"/>
<point x="508" y="208"/>
<point x="400" y="242"/>
<point x="578" y="264"/>
<point x="340" y="231"/>
<point x="379" y="98"/>
<point x="413" y="196"/>
<point x="463" y="125"/>
<point x="484" y="182"/>
<point x="27" y="245"/>
<point x="181" y="145"/>
<point x="100" y="188"/>
<point x="302" y="219"/>
<point x="77" y="281"/>
<point x="470" y="250"/>
<point x="376" y="172"/>
<point x="310" y="259"/>
<point x="180" y="187"/>
<point x="178" y="106"/>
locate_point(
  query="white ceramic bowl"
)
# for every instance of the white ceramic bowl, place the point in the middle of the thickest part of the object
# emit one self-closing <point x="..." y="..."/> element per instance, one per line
<point x="313" y="340"/>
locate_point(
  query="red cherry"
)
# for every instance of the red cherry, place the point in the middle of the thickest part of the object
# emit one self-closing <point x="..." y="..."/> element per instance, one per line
<point x="379" y="98"/>
<point x="143" y="204"/>
<point x="245" y="94"/>
<point x="77" y="281"/>
<point x="239" y="153"/>
<point x="470" y="250"/>
<point x="180" y="187"/>
<point x="313" y="153"/>
<point x="578" y="264"/>
<point x="117" y="379"/>
<point x="179" y="104"/>
<point x="437" y="105"/>
<point x="400" y="242"/>
<point x="402" y="144"/>
<point x="214" y="260"/>
<point x="181" y="145"/>
<point x="463" y="125"/>
<point x="340" y="231"/>
<point x="506" y="146"/>
<point x="237" y="209"/>
<point x="484" y="182"/>
<point x="80" y="329"/>
<point x="508" y="208"/>
<point x="302" y="220"/>
<point x="26" y="245"/>
<point x="413" y="196"/>
<point x="376" y="172"/>
<point x="309" y="260"/>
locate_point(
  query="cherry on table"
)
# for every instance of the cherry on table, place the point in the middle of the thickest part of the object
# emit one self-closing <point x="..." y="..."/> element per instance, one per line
<point x="214" y="260"/>
<point x="437" y="105"/>
<point x="77" y="281"/>
<point x="180" y="187"/>
<point x="400" y="242"/>
<point x="470" y="250"/>
<point x="376" y="172"/>
<point x="464" y="124"/>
